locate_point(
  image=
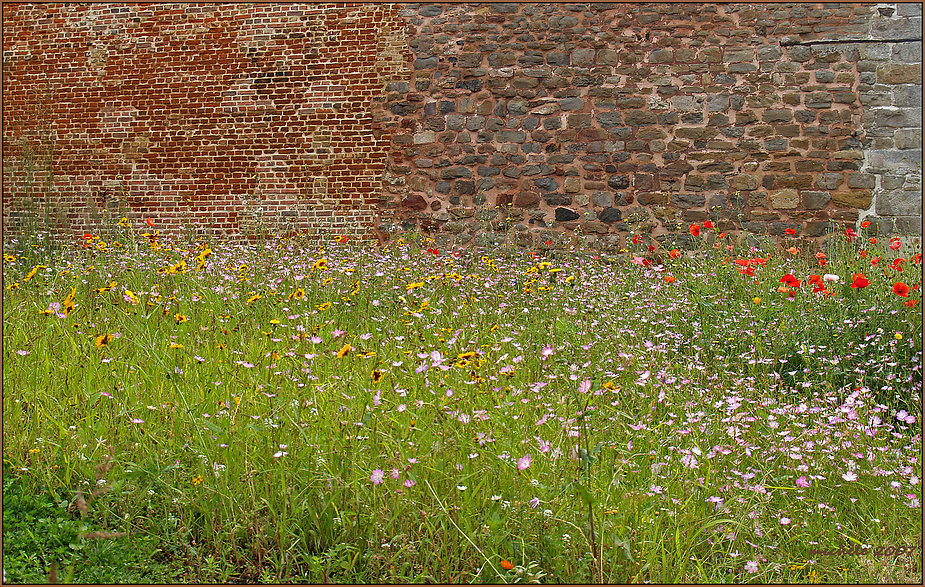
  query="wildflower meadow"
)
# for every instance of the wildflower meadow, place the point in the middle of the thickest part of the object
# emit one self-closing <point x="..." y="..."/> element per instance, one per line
<point x="729" y="410"/>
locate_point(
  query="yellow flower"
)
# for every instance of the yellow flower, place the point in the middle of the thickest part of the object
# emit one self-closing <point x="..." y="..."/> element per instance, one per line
<point x="898" y="336"/>
<point x="253" y="298"/>
<point x="376" y="375"/>
<point x="756" y="300"/>
<point x="68" y="304"/>
<point x="410" y="286"/>
<point x="180" y="318"/>
<point x="9" y="258"/>
<point x="320" y="265"/>
<point x="131" y="296"/>
<point x="327" y="281"/>
<point x="124" y="222"/>
<point x="102" y="340"/>
<point x="298" y="294"/>
<point x="324" y="306"/>
<point x="176" y="345"/>
<point x="101" y="290"/>
<point x="197" y="480"/>
<point x="343" y="351"/>
<point x="32" y="273"/>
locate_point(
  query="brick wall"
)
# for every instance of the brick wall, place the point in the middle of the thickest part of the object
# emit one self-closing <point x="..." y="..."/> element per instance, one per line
<point x="530" y="120"/>
<point x="476" y="121"/>
<point x="227" y="117"/>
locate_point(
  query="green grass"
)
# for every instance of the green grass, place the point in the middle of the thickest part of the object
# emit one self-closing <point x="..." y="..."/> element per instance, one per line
<point x="578" y="418"/>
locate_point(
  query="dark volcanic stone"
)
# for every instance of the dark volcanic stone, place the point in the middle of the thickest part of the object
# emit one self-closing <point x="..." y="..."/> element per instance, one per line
<point x="564" y="215"/>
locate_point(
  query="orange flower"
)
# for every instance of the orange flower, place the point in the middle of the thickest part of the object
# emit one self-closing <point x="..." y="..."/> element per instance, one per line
<point x="695" y="230"/>
<point x="507" y="565"/>
<point x="674" y="254"/>
<point x="669" y="279"/>
<point x="865" y="224"/>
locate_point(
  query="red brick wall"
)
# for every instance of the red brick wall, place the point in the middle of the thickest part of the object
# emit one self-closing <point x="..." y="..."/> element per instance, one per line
<point x="598" y="120"/>
<point x="221" y="116"/>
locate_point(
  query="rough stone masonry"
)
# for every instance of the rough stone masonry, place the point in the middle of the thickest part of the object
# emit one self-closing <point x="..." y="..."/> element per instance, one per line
<point x="473" y="121"/>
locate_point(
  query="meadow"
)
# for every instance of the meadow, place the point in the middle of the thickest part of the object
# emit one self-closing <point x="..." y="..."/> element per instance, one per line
<point x="192" y="411"/>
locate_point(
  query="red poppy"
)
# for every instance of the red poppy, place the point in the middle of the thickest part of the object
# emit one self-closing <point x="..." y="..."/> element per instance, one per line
<point x="910" y="303"/>
<point x="901" y="289"/>
<point x="872" y="240"/>
<point x="790" y="231"/>
<point x="651" y="248"/>
<point x="895" y="243"/>
<point x="875" y="260"/>
<point x="708" y="224"/>
<point x="507" y="565"/>
<point x="669" y="278"/>
<point x="849" y="232"/>
<point x="815" y="278"/>
<point x="859" y="281"/>
<point x="547" y="243"/>
<point x="818" y="287"/>
<point x="897" y="264"/>
<point x="149" y="222"/>
<point x="343" y="240"/>
<point x="674" y="253"/>
<point x="695" y="229"/>
<point x="635" y="239"/>
<point x="865" y="224"/>
<point x="790" y="280"/>
<point x="87" y="236"/>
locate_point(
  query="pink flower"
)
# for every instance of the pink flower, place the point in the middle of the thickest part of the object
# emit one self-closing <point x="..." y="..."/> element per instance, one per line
<point x="395" y="473"/>
<point x="534" y="502"/>
<point x="377" y="476"/>
<point x="584" y="386"/>
<point x="547" y="351"/>
<point x="784" y="521"/>
<point x="409" y="483"/>
<point x="524" y="462"/>
<point x="751" y="567"/>
<point x="802" y="482"/>
<point x="849" y="476"/>
<point x="137" y="421"/>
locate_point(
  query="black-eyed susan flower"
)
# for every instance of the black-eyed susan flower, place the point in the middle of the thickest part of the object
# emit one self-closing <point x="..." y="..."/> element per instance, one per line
<point x="324" y="306"/>
<point x="343" y="351"/>
<point x="102" y="340"/>
<point x="180" y="318"/>
<point x="320" y="265"/>
<point x="376" y="375"/>
<point x="253" y="298"/>
<point x="298" y="294"/>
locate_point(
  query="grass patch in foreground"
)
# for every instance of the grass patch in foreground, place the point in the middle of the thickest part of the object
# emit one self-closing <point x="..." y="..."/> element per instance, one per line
<point x="346" y="414"/>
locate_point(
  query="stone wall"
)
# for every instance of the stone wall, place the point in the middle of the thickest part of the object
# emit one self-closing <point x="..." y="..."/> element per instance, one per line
<point x="530" y="120"/>
<point x="492" y="121"/>
<point x="229" y="117"/>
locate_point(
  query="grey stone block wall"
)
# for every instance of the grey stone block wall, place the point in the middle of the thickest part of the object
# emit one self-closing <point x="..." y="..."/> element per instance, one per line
<point x="891" y="92"/>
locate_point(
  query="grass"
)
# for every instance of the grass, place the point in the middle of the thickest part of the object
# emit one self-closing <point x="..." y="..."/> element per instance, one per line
<point x="289" y="413"/>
